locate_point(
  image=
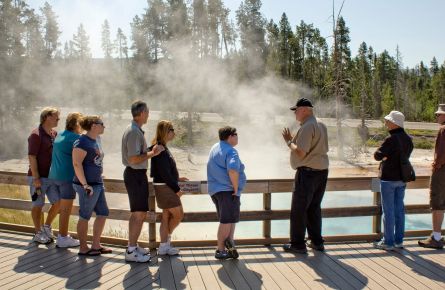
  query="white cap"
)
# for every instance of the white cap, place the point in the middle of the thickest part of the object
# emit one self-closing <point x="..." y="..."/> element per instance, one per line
<point x="396" y="118"/>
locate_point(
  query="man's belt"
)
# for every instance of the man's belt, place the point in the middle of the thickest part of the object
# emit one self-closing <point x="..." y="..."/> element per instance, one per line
<point x="305" y="168"/>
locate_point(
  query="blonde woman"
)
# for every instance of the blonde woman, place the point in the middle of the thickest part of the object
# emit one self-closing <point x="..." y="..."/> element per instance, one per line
<point x="88" y="183"/>
<point x="61" y="176"/>
<point x="163" y="170"/>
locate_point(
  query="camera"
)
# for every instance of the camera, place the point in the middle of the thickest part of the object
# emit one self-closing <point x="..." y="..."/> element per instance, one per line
<point x="36" y="193"/>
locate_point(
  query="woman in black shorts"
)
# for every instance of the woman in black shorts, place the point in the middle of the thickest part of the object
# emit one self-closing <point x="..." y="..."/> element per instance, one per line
<point x="163" y="170"/>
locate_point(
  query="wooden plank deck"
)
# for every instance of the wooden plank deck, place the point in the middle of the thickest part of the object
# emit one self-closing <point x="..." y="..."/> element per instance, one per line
<point x="24" y="265"/>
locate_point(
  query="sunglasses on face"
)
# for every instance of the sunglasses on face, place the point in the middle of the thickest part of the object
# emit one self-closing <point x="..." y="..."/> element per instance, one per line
<point x="171" y="130"/>
<point x="235" y="134"/>
<point x="99" y="123"/>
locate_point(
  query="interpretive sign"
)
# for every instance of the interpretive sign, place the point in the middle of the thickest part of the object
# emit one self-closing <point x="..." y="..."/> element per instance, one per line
<point x="190" y="186"/>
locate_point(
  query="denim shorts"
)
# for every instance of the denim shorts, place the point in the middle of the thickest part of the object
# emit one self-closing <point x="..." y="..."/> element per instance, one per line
<point x="64" y="189"/>
<point x="95" y="202"/>
<point x="40" y="201"/>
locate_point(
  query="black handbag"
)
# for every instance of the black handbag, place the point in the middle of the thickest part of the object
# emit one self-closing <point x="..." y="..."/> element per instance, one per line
<point x="406" y="169"/>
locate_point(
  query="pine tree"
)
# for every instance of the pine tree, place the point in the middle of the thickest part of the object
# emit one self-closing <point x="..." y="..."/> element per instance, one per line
<point x="121" y="45"/>
<point x="178" y="24"/>
<point x="434" y="66"/>
<point x="251" y="25"/>
<point x="273" y="38"/>
<point x="51" y="30"/>
<point x="107" y="45"/>
<point x="81" y="44"/>
<point x="285" y="36"/>
<point x="228" y="31"/>
<point x="140" y="40"/>
<point x="200" y="28"/>
<point x="155" y="21"/>
<point x="215" y="10"/>
<point x="388" y="102"/>
<point x="11" y="28"/>
<point x="33" y="36"/>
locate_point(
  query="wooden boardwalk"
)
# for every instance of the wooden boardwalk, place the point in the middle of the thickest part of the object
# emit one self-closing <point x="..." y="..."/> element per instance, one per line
<point x="24" y="265"/>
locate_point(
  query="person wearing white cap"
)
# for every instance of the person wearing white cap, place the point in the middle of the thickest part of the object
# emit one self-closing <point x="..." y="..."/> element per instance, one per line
<point x="437" y="185"/>
<point x="396" y="146"/>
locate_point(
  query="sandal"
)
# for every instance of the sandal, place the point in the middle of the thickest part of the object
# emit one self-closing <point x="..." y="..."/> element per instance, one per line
<point x="90" y="252"/>
<point x="103" y="250"/>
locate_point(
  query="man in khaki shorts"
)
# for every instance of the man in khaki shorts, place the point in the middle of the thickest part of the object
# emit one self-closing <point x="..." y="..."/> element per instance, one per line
<point x="437" y="185"/>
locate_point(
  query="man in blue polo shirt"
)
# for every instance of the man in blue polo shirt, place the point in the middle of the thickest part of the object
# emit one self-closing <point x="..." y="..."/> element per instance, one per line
<point x="226" y="180"/>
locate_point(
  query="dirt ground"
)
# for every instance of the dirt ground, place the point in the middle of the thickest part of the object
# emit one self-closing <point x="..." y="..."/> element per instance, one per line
<point x="258" y="164"/>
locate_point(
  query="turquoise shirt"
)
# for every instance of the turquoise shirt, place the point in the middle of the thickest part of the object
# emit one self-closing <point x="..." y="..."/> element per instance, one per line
<point x="222" y="158"/>
<point x="62" y="161"/>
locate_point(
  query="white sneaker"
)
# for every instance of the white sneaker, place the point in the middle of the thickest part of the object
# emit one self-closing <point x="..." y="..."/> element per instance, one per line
<point x="142" y="250"/>
<point x="48" y="231"/>
<point x="382" y="246"/>
<point x="138" y="255"/>
<point x="41" y="238"/>
<point x="398" y="246"/>
<point x="67" y="242"/>
<point x="166" y="249"/>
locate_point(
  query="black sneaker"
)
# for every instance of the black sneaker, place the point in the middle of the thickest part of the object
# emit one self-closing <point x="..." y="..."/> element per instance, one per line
<point x="222" y="255"/>
<point x="319" y="247"/>
<point x="231" y="248"/>
<point x="300" y="250"/>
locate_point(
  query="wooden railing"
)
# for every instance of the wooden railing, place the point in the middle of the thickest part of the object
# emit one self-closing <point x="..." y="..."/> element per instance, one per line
<point x="265" y="187"/>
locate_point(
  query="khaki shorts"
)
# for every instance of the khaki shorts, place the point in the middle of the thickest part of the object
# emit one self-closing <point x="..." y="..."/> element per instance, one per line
<point x="167" y="198"/>
<point x="437" y="189"/>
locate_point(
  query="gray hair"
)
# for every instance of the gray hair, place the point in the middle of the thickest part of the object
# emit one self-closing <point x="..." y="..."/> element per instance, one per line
<point x="138" y="107"/>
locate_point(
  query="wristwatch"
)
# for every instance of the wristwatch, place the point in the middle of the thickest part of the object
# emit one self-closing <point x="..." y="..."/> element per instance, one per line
<point x="289" y="142"/>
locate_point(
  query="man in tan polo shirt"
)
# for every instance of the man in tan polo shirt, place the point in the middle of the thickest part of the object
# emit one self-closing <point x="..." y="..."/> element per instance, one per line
<point x="309" y="156"/>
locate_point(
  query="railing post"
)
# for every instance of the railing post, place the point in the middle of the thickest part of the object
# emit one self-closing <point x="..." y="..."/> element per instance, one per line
<point x="267" y="203"/>
<point x="152" y="225"/>
<point x="377" y="201"/>
<point x="377" y="219"/>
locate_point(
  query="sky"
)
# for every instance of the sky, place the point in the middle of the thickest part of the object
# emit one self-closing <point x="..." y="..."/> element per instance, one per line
<point x="415" y="26"/>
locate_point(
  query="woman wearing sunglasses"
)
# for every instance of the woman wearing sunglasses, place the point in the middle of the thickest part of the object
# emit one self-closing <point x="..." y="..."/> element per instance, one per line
<point x="88" y="183"/>
<point x="163" y="170"/>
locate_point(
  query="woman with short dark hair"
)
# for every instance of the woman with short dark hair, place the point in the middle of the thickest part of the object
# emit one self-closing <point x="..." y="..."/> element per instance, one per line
<point x="225" y="182"/>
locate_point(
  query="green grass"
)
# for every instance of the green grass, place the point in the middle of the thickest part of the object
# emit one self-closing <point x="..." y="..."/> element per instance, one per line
<point x="15" y="191"/>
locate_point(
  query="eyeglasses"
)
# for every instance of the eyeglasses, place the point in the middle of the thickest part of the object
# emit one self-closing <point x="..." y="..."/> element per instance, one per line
<point x="171" y="130"/>
<point x="99" y="123"/>
<point x="234" y="134"/>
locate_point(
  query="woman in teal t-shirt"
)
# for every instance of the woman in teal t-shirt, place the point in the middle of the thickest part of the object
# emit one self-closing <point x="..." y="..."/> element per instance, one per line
<point x="61" y="176"/>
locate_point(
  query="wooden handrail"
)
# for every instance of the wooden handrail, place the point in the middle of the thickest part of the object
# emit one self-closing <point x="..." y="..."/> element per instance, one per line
<point x="266" y="187"/>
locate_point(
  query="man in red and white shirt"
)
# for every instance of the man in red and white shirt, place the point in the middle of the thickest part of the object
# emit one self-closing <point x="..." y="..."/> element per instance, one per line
<point x="40" y="148"/>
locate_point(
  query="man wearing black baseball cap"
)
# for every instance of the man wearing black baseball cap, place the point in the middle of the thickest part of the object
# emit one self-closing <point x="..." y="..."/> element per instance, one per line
<point x="308" y="155"/>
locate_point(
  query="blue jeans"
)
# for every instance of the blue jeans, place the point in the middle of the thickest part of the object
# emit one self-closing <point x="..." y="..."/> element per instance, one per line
<point x="392" y="193"/>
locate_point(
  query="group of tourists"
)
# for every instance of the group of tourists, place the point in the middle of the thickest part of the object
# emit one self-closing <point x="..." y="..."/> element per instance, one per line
<point x="394" y="152"/>
<point x="69" y="162"/>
